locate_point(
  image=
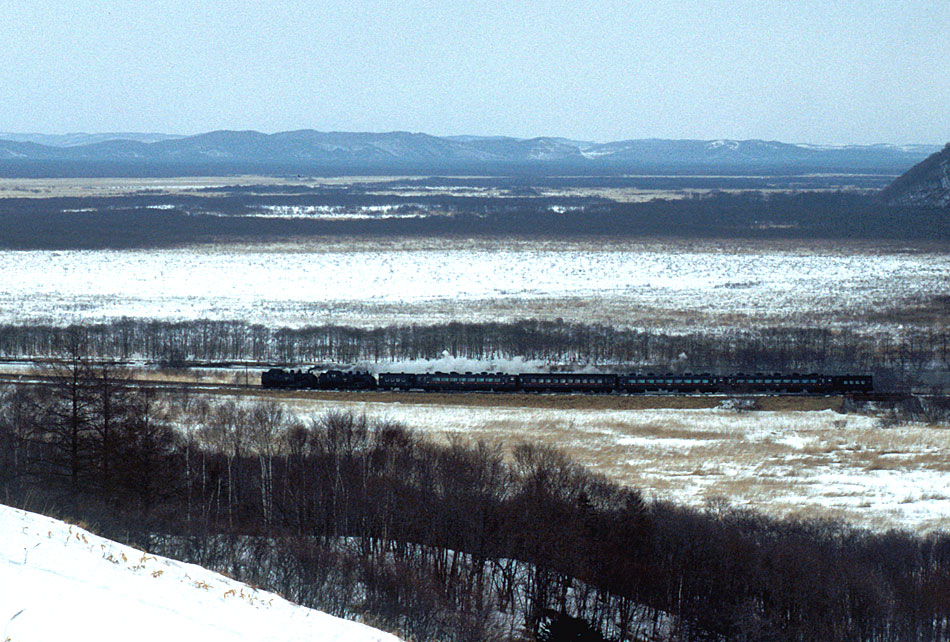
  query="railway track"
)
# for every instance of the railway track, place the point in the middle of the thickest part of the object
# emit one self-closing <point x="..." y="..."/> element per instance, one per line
<point x="164" y="385"/>
<point x="177" y="385"/>
<point x="767" y="402"/>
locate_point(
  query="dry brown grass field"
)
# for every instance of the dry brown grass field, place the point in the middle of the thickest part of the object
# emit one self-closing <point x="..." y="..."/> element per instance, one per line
<point x="214" y="185"/>
<point x="98" y="187"/>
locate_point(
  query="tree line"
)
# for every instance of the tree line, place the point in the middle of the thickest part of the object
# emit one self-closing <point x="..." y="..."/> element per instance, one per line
<point x="914" y="359"/>
<point x="448" y="541"/>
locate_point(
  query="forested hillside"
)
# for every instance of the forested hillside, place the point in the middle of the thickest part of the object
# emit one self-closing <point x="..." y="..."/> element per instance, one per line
<point x="926" y="184"/>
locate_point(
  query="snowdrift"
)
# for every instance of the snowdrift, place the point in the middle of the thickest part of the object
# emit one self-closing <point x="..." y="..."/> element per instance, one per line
<point x="60" y="582"/>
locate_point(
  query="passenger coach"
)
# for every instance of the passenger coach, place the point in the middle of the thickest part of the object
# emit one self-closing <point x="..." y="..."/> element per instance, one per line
<point x="568" y="382"/>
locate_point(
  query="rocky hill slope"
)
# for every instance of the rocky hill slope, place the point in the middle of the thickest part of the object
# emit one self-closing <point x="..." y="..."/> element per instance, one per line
<point x="926" y="184"/>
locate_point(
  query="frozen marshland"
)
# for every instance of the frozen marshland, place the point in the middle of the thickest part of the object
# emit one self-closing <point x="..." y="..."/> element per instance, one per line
<point x="670" y="285"/>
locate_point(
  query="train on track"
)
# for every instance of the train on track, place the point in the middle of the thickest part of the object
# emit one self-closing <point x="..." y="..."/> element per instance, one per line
<point x="568" y="382"/>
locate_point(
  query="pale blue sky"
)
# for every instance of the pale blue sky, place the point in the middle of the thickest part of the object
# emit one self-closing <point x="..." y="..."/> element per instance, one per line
<point x="863" y="71"/>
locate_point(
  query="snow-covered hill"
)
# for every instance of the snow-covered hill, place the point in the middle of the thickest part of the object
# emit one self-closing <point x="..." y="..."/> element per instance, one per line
<point x="61" y="583"/>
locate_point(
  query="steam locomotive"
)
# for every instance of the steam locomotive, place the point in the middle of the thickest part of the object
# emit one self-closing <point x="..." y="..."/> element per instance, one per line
<point x="633" y="383"/>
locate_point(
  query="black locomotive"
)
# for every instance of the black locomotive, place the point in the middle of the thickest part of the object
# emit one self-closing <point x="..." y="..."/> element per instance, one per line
<point x="329" y="380"/>
<point x="634" y="383"/>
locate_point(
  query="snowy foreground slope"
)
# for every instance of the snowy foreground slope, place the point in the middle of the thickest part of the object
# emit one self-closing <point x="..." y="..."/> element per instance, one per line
<point x="59" y="582"/>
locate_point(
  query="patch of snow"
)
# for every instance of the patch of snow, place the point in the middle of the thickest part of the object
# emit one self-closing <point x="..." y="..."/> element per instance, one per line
<point x="793" y="441"/>
<point x="340" y="213"/>
<point x="719" y="144"/>
<point x="669" y="443"/>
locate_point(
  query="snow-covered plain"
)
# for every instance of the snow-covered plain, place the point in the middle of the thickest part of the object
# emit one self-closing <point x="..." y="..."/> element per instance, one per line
<point x="60" y="582"/>
<point x="672" y="285"/>
<point x="809" y="463"/>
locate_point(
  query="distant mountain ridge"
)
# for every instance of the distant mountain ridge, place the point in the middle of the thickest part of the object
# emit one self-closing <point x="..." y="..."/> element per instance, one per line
<point x="309" y="149"/>
<point x="926" y="184"/>
<point x="81" y="138"/>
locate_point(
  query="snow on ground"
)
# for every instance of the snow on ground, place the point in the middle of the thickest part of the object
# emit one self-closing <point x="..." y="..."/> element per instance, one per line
<point x="59" y="582"/>
<point x="827" y="464"/>
<point x="372" y="282"/>
<point x="341" y="213"/>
